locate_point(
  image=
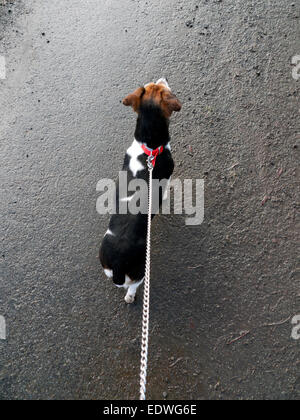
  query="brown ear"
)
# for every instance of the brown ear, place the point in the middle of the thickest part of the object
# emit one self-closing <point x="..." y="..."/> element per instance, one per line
<point x="171" y="103"/>
<point x="134" y="99"/>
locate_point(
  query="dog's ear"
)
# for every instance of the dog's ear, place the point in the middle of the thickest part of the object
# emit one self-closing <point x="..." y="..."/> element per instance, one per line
<point x="170" y="103"/>
<point x="134" y="99"/>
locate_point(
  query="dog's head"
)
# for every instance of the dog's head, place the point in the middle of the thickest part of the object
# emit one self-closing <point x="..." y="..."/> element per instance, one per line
<point x="158" y="93"/>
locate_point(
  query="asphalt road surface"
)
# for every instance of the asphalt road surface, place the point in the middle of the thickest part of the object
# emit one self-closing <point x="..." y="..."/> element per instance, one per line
<point x="223" y="293"/>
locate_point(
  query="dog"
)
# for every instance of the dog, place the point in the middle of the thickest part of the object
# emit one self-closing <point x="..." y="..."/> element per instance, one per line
<point x="123" y="250"/>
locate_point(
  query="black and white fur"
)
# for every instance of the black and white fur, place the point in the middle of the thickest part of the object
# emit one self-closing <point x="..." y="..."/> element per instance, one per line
<point x="123" y="250"/>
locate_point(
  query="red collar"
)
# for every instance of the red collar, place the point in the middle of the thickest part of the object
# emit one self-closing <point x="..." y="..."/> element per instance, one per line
<point x="151" y="152"/>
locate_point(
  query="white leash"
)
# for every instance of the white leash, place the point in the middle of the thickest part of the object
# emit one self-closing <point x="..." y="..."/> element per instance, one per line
<point x="146" y="306"/>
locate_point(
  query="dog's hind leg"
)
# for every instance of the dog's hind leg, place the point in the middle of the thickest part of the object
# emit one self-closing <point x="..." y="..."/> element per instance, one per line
<point x="132" y="289"/>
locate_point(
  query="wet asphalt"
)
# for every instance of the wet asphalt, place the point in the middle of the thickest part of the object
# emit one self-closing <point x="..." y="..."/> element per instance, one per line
<point x="223" y="293"/>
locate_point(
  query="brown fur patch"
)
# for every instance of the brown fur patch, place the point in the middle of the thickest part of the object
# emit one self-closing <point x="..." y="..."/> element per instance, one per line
<point x="158" y="94"/>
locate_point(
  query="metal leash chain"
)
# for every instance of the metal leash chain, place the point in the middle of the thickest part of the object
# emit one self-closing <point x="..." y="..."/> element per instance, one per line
<point x="146" y="305"/>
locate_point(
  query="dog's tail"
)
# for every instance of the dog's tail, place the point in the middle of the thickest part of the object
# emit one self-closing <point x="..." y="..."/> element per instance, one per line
<point x="119" y="275"/>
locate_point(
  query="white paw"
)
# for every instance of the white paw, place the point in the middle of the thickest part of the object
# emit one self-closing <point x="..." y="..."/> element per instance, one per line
<point x="129" y="299"/>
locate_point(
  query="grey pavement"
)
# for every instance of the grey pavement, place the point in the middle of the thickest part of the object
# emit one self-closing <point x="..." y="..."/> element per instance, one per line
<point x="223" y="293"/>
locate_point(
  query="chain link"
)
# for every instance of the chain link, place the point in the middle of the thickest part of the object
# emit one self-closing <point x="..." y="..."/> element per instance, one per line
<point x="146" y="305"/>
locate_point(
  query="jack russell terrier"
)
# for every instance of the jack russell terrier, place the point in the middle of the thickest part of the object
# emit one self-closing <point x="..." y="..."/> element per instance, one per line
<point x="123" y="250"/>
